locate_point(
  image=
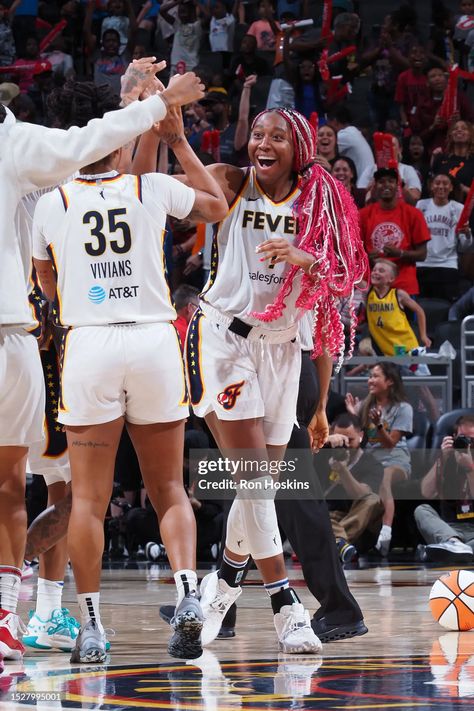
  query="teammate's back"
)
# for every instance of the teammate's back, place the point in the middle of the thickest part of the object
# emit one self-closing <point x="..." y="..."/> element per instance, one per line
<point x="104" y="234"/>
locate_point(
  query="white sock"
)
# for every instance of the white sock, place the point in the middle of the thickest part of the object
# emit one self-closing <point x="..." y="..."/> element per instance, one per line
<point x="89" y="609"/>
<point x="10" y="584"/>
<point x="186" y="582"/>
<point x="48" y="597"/>
<point x="385" y="533"/>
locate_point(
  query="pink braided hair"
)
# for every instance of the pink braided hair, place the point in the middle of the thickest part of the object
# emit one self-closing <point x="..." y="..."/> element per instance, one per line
<point x="329" y="230"/>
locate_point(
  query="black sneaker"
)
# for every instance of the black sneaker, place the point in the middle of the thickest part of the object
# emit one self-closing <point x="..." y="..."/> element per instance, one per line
<point x="328" y="632"/>
<point x="187" y="624"/>
<point x="167" y="613"/>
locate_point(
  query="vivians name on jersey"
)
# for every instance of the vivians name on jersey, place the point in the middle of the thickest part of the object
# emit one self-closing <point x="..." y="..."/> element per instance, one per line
<point x="108" y="270"/>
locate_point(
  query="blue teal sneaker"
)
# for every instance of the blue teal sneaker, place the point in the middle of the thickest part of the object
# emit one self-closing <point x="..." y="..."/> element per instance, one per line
<point x="59" y="631"/>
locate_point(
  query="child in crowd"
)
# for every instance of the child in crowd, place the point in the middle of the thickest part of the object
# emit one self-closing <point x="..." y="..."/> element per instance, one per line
<point x="389" y="328"/>
<point x="120" y="18"/>
<point x="187" y="35"/>
<point x="388" y="324"/>
<point x="412" y="86"/>
<point x="221" y="31"/>
<point x="266" y="28"/>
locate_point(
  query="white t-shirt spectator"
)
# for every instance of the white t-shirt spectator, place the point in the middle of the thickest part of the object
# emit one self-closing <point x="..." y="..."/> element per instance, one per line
<point x="186" y="42"/>
<point x="221" y="33"/>
<point x="441" y="221"/>
<point x="351" y="143"/>
<point x="407" y="173"/>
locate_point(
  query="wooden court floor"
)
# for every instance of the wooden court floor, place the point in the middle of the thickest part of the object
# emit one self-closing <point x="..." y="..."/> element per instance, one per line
<point x="406" y="661"/>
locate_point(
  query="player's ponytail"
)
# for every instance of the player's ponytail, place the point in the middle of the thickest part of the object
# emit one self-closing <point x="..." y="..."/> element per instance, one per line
<point x="328" y="228"/>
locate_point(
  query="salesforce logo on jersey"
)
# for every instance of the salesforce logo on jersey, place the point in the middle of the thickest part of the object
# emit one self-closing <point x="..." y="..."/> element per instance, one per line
<point x="96" y="294"/>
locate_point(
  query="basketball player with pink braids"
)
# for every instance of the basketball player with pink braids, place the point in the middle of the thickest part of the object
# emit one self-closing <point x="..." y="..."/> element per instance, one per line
<point x="289" y="245"/>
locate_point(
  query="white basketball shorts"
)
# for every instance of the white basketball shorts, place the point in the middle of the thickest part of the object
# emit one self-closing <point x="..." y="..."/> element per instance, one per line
<point x="21" y="389"/>
<point x="52" y="468"/>
<point x="239" y="379"/>
<point x="135" y="371"/>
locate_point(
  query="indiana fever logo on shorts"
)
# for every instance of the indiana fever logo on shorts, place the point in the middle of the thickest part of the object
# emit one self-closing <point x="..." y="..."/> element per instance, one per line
<point x="228" y="397"/>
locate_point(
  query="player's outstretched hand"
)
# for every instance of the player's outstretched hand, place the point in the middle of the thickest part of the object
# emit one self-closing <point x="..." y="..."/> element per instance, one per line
<point x="183" y="89"/>
<point x="171" y="128"/>
<point x="139" y="75"/>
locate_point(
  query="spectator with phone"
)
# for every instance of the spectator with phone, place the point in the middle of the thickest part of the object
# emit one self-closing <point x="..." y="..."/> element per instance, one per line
<point x="449" y="533"/>
<point x="351" y="479"/>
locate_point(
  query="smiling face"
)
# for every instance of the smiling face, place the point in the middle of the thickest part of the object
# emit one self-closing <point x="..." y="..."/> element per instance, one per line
<point x="342" y="171"/>
<point x="379" y="384"/>
<point x="383" y="274"/>
<point x="441" y="188"/>
<point x="386" y="188"/>
<point x="460" y="132"/>
<point x="417" y="57"/>
<point x="327" y="141"/>
<point x="271" y="148"/>
<point x="111" y="43"/>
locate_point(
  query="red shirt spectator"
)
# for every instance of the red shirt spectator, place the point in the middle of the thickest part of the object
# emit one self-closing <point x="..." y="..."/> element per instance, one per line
<point x="393" y="229"/>
<point x="412" y="85"/>
<point x="186" y="301"/>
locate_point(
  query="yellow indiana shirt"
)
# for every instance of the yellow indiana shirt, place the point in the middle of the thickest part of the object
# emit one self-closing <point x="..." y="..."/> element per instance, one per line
<point x="388" y="323"/>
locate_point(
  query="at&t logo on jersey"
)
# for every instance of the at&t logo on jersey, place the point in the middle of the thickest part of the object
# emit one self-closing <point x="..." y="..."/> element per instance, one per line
<point x="96" y="294"/>
<point x="228" y="397"/>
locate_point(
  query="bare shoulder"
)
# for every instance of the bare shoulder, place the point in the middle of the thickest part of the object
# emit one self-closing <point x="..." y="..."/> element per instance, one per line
<point x="229" y="178"/>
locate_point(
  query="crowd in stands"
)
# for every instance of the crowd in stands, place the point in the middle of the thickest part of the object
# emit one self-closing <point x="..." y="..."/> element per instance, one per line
<point x="408" y="162"/>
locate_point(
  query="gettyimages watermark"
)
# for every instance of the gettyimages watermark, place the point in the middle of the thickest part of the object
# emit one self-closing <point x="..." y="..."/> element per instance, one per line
<point x="249" y="473"/>
<point x="325" y="475"/>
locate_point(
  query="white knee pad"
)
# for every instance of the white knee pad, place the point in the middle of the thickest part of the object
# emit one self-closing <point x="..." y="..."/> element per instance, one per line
<point x="236" y="538"/>
<point x="260" y="522"/>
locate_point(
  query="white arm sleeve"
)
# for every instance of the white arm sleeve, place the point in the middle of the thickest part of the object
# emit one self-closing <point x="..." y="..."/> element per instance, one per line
<point x="42" y="156"/>
<point x="175" y="198"/>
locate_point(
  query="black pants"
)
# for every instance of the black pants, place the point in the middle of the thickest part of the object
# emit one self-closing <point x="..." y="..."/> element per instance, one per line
<point x="306" y="521"/>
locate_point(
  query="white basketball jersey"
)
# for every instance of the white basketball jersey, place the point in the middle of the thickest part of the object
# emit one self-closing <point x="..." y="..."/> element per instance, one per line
<point x="104" y="235"/>
<point x="239" y="283"/>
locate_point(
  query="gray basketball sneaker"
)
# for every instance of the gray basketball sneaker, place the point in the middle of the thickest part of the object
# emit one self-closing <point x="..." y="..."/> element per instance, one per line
<point x="90" y="645"/>
<point x="187" y="624"/>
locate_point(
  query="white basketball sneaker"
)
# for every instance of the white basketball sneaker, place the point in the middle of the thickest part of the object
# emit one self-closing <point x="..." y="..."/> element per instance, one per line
<point x="295" y="634"/>
<point x="216" y="598"/>
<point x="59" y="631"/>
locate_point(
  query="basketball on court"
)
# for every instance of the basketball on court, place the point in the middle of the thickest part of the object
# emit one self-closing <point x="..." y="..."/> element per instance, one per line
<point x="452" y="600"/>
